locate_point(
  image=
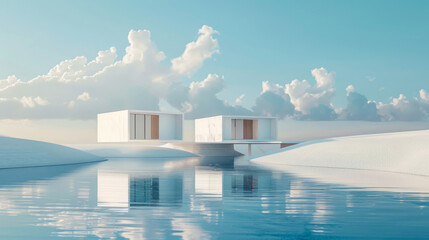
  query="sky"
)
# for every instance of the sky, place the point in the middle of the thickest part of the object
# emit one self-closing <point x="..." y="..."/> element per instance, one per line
<point x="62" y="62"/>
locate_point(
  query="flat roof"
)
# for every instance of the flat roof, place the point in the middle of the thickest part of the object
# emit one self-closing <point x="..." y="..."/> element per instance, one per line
<point x="240" y="117"/>
<point x="157" y="112"/>
<point x="146" y="112"/>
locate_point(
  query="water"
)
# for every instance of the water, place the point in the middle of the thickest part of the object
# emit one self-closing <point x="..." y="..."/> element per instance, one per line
<point x="198" y="199"/>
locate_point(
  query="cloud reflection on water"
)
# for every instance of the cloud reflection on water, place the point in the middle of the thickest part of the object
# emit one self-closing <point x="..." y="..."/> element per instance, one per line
<point x="142" y="199"/>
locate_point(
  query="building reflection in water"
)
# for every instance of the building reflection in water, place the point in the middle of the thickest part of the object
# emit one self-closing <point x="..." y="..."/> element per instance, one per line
<point x="208" y="182"/>
<point x="132" y="189"/>
<point x="249" y="182"/>
<point x="144" y="191"/>
<point x="244" y="183"/>
<point x="112" y="189"/>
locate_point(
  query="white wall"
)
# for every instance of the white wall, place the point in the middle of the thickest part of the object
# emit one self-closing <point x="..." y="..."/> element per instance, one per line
<point x="113" y="127"/>
<point x="274" y="129"/>
<point x="118" y="126"/>
<point x="139" y="126"/>
<point x="256" y="149"/>
<point x="227" y="128"/>
<point x="236" y="129"/>
<point x="147" y="126"/>
<point x="167" y="127"/>
<point x="112" y="189"/>
<point x="219" y="128"/>
<point x="208" y="182"/>
<point x="179" y="127"/>
<point x="208" y="129"/>
<point x="188" y="130"/>
<point x="264" y="129"/>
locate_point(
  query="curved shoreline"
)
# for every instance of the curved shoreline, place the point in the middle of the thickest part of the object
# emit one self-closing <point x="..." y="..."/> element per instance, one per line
<point x="20" y="153"/>
<point x="401" y="152"/>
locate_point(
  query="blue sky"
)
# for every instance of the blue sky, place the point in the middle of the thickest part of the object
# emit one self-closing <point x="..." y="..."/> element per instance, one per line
<point x="378" y="50"/>
<point x="277" y="41"/>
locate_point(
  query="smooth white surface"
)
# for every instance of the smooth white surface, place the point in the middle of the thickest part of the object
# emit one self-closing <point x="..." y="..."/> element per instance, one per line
<point x="208" y="129"/>
<point x="113" y="189"/>
<point x="180" y="126"/>
<point x="113" y="127"/>
<point x="152" y="149"/>
<point x="167" y="127"/>
<point x="116" y="127"/>
<point x="220" y="129"/>
<point x="205" y="149"/>
<point x="16" y="152"/>
<point x="401" y="152"/>
<point x="208" y="182"/>
<point x="256" y="149"/>
<point x="264" y="129"/>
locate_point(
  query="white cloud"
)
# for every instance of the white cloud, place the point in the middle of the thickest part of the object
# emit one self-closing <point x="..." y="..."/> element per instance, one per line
<point x="27" y="102"/>
<point x="324" y="79"/>
<point x="273" y="101"/>
<point x="403" y="109"/>
<point x="350" y="89"/>
<point x="424" y="96"/>
<point x="308" y="102"/>
<point x="358" y="107"/>
<point x="40" y="101"/>
<point x="142" y="49"/>
<point x="84" y="97"/>
<point x="78" y="69"/>
<point x="78" y="88"/>
<point x="200" y="99"/>
<point x="30" y="102"/>
<point x="196" y="52"/>
<point x="8" y="82"/>
<point x="306" y="97"/>
<point x="211" y="85"/>
<point x="240" y="98"/>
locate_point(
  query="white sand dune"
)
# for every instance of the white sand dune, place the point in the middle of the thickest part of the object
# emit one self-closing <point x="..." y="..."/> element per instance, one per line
<point x="132" y="150"/>
<point x="396" y="162"/>
<point x="400" y="152"/>
<point x="16" y="152"/>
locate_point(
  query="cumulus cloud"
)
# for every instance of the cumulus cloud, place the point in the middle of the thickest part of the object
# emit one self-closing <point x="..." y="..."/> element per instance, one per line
<point x="399" y="109"/>
<point x="240" y="98"/>
<point x="8" y="82"/>
<point x="84" y="97"/>
<point x="306" y="97"/>
<point x="200" y="99"/>
<point x="404" y="109"/>
<point x="350" y="89"/>
<point x="196" y="52"/>
<point x="30" y="102"/>
<point x="300" y="98"/>
<point x="359" y="108"/>
<point x="273" y="101"/>
<point x="78" y="88"/>
<point x="320" y="113"/>
<point x="424" y="96"/>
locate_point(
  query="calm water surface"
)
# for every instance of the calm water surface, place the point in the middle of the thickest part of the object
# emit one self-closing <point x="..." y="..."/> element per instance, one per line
<point x="197" y="199"/>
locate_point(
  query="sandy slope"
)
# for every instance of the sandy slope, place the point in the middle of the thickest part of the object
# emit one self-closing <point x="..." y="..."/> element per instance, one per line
<point x="133" y="150"/>
<point x="401" y="152"/>
<point x="16" y="152"/>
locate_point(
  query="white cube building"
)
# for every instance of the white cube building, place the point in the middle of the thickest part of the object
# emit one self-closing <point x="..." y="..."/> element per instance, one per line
<point x="135" y="125"/>
<point x="235" y="128"/>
